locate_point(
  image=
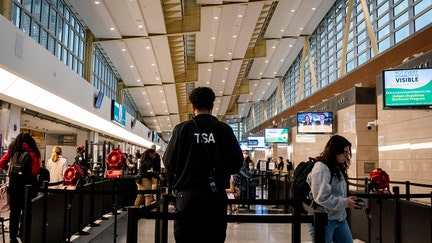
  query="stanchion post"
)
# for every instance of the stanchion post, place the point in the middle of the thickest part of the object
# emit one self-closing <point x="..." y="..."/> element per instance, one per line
<point x="296" y="225"/>
<point x="164" y="226"/>
<point x="320" y="222"/>
<point x="45" y="210"/>
<point x="132" y="224"/>
<point x="27" y="213"/>
<point x="397" y="225"/>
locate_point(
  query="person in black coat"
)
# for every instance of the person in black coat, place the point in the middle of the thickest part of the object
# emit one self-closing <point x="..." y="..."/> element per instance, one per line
<point x="202" y="155"/>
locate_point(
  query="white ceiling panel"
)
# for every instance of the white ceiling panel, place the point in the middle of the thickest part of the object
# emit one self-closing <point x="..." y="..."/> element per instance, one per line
<point x="234" y="69"/>
<point x="142" y="101"/>
<point x="134" y="36"/>
<point x="143" y="56"/>
<point x="158" y="99"/>
<point x="131" y="24"/>
<point x="231" y="18"/>
<point x="161" y="51"/>
<point x="97" y="18"/>
<point x="170" y="93"/>
<point x="152" y="12"/>
<point x="119" y="55"/>
<point x="250" y="18"/>
<point x="206" y="37"/>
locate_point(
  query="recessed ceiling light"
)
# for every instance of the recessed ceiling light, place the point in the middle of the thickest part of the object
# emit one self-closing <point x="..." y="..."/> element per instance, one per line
<point x="138" y="80"/>
<point x="131" y="66"/>
<point x="123" y="49"/>
<point x="313" y="9"/>
<point x="112" y="28"/>
<point x="216" y="17"/>
<point x="234" y="36"/>
<point x="96" y="2"/>
<point x="240" y="15"/>
<point x="211" y="55"/>
<point x="148" y="47"/>
<point x="209" y="69"/>
<point x="292" y="10"/>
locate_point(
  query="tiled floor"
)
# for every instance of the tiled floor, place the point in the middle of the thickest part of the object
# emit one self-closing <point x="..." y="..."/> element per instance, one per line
<point x="236" y="232"/>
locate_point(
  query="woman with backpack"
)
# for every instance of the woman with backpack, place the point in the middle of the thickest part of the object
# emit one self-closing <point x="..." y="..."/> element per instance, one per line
<point x="20" y="174"/>
<point x="328" y="183"/>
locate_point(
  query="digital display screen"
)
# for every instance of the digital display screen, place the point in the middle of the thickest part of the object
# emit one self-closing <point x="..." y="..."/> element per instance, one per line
<point x="405" y="88"/>
<point x="118" y="113"/>
<point x="257" y="142"/>
<point x="315" y="122"/>
<point x="276" y="135"/>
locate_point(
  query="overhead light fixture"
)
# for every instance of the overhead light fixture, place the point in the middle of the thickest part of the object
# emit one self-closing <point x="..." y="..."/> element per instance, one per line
<point x="12" y="86"/>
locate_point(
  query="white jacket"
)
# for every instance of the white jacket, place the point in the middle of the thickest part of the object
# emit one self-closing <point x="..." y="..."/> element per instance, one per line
<point x="329" y="193"/>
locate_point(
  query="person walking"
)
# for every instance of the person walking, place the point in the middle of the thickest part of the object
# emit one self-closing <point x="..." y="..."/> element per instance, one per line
<point x="17" y="182"/>
<point x="202" y="155"/>
<point x="56" y="166"/>
<point x="144" y="177"/>
<point x="328" y="182"/>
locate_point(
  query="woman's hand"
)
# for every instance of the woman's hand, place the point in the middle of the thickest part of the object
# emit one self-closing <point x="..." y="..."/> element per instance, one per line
<point x="352" y="201"/>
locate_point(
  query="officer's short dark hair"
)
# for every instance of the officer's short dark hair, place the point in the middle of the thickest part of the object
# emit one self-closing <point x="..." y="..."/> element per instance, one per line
<point x="202" y="97"/>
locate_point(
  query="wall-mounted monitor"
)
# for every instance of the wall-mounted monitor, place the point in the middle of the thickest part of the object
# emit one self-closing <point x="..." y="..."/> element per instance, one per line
<point x="407" y="88"/>
<point x="118" y="113"/>
<point x="256" y="142"/>
<point x="315" y="122"/>
<point x="276" y="135"/>
<point x="155" y="137"/>
<point x="98" y="100"/>
<point x="133" y="122"/>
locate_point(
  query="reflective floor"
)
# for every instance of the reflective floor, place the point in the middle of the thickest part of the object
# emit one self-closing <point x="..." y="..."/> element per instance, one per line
<point x="109" y="231"/>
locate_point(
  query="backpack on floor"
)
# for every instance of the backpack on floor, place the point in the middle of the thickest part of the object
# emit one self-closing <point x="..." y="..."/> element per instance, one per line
<point x="299" y="187"/>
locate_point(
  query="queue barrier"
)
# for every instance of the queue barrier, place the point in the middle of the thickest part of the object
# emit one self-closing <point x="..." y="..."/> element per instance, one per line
<point x="162" y="216"/>
<point x="386" y="218"/>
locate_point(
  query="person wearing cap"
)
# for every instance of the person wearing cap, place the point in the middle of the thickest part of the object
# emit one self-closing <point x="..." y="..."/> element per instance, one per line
<point x="202" y="155"/>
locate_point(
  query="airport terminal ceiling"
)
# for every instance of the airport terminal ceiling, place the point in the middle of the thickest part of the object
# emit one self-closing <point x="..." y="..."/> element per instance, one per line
<point x="163" y="49"/>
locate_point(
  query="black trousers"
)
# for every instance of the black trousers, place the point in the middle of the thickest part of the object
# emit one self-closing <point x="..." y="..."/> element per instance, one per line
<point x="201" y="213"/>
<point x="17" y="187"/>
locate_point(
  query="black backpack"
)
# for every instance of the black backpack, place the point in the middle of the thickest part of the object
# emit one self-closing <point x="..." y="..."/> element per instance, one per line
<point x="299" y="187"/>
<point x="20" y="164"/>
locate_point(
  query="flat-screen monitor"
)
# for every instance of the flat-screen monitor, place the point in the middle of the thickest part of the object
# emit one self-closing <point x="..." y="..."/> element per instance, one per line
<point x="155" y="137"/>
<point x="315" y="122"/>
<point x="407" y="88"/>
<point x="276" y="135"/>
<point x="256" y="142"/>
<point x="118" y="113"/>
<point x="98" y="100"/>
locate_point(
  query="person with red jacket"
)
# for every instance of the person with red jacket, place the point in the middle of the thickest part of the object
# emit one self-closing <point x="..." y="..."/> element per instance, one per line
<point x="17" y="183"/>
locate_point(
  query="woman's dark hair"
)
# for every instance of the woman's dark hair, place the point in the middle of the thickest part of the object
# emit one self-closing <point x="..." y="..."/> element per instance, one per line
<point x="16" y="145"/>
<point x="202" y="97"/>
<point x="334" y="147"/>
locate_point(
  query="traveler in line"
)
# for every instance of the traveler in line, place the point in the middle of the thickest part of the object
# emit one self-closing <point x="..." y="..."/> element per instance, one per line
<point x="80" y="160"/>
<point x="56" y="165"/>
<point x="328" y="182"/>
<point x="17" y="183"/>
<point x="144" y="177"/>
<point x="202" y="154"/>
